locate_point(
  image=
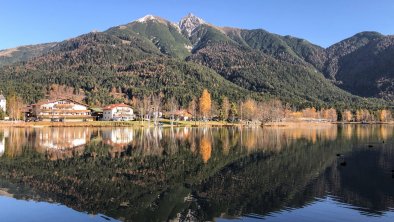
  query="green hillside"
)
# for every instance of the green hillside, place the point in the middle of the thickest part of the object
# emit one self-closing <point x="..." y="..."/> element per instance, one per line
<point x="153" y="55"/>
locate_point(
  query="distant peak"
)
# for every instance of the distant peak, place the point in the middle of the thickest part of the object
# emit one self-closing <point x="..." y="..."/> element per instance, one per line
<point x="189" y="23"/>
<point x="369" y="34"/>
<point x="147" y="18"/>
<point x="190" y="15"/>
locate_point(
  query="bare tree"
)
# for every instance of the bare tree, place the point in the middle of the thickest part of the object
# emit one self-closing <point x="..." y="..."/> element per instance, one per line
<point x="225" y="108"/>
<point x="156" y="103"/>
<point x="144" y="108"/>
<point x="15" y="105"/>
<point x="173" y="106"/>
<point x="192" y="108"/>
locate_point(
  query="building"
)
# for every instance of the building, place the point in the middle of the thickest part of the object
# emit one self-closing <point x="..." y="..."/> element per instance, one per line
<point x="118" y="112"/>
<point x="63" y="110"/>
<point x="97" y="113"/>
<point x="182" y="115"/>
<point x="3" y="103"/>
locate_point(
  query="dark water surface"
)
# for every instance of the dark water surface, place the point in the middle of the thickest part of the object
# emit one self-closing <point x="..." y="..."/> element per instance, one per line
<point x="324" y="173"/>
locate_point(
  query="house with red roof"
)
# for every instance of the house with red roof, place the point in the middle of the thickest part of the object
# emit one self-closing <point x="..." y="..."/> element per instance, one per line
<point x="118" y="112"/>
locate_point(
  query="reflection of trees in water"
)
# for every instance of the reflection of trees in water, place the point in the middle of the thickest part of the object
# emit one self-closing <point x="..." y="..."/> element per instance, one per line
<point x="66" y="142"/>
<point x="205" y="148"/>
<point x="228" y="170"/>
<point x="300" y="173"/>
<point x="266" y="182"/>
<point x="366" y="181"/>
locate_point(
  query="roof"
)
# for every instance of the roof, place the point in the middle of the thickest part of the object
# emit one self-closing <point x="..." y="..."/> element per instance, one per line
<point x="180" y="113"/>
<point x="42" y="102"/>
<point x="2" y="97"/>
<point x="96" y="109"/>
<point x="112" y="106"/>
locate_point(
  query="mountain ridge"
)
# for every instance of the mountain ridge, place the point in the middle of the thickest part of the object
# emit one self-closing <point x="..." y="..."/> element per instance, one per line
<point x="256" y="61"/>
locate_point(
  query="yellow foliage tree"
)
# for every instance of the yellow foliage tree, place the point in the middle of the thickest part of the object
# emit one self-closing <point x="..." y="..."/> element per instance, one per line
<point x="225" y="109"/>
<point x="205" y="103"/>
<point x="14" y="107"/>
<point x="347" y="116"/>
<point x="249" y="108"/>
<point x="310" y="113"/>
<point x="384" y="115"/>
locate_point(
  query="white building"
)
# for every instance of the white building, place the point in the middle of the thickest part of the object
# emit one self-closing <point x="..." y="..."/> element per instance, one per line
<point x="118" y="112"/>
<point x="3" y="103"/>
<point x="64" y="109"/>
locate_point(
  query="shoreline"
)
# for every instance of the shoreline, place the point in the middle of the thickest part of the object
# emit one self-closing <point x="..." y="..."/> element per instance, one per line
<point x="167" y="123"/>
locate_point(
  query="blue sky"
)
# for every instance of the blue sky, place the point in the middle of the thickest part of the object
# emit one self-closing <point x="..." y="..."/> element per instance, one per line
<point x="320" y="22"/>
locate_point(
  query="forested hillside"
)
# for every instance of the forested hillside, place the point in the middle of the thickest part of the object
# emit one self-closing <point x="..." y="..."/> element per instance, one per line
<point x="152" y="55"/>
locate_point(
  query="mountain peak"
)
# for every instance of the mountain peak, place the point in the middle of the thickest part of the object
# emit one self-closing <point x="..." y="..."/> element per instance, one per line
<point x="148" y="18"/>
<point x="189" y="23"/>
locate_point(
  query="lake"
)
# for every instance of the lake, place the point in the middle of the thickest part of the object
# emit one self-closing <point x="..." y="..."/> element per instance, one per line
<point x="309" y="173"/>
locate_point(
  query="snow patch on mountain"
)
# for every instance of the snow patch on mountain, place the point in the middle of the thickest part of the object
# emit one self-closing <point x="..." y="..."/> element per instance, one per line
<point x="147" y="18"/>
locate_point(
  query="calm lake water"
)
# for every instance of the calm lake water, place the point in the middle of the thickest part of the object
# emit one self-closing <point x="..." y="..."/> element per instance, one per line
<point x="325" y="173"/>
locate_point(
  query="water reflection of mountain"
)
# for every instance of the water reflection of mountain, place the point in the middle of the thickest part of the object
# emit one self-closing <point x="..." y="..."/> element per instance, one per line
<point x="202" y="173"/>
<point x="366" y="182"/>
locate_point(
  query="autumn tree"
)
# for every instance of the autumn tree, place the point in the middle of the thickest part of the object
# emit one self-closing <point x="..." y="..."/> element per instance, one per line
<point x="249" y="108"/>
<point x="276" y="110"/>
<point x="347" y="115"/>
<point x="215" y="109"/>
<point x="329" y="114"/>
<point x="384" y="115"/>
<point x="14" y="107"/>
<point x="192" y="108"/>
<point x="286" y="110"/>
<point x="363" y="115"/>
<point x="156" y="105"/>
<point x="310" y="113"/>
<point x="225" y="109"/>
<point x="172" y="106"/>
<point x="143" y="105"/>
<point x="134" y="101"/>
<point x="205" y="104"/>
<point x="2" y="114"/>
<point x="233" y="112"/>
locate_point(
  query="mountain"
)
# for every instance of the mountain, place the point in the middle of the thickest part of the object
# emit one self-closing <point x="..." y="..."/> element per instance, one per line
<point x="152" y="55"/>
<point x="165" y="35"/>
<point x="363" y="65"/>
<point x="189" y="23"/>
<point x="23" y="53"/>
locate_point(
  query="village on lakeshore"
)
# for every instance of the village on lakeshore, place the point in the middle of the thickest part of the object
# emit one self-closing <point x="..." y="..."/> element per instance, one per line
<point x="153" y="108"/>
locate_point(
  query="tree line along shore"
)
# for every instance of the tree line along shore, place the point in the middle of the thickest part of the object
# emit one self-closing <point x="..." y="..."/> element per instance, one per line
<point x="205" y="111"/>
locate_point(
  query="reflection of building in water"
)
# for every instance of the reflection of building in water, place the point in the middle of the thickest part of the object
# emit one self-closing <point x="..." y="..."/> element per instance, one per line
<point x="2" y="145"/>
<point x="62" y="138"/>
<point x="118" y="136"/>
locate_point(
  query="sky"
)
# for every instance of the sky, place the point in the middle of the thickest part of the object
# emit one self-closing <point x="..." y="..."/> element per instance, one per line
<point x="320" y="22"/>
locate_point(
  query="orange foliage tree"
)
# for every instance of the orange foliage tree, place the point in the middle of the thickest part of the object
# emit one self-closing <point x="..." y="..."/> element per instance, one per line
<point x="205" y="104"/>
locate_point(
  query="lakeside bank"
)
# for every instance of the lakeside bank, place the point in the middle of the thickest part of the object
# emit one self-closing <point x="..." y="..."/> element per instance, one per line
<point x="167" y="123"/>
